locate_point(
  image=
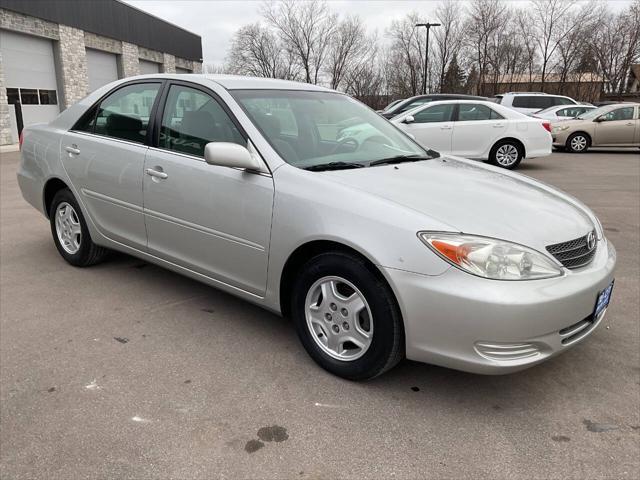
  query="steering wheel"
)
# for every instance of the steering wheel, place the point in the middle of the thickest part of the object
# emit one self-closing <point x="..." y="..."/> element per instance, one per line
<point x="343" y="142"/>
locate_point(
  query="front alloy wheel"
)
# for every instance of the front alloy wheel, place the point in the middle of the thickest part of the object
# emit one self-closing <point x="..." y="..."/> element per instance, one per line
<point x="346" y="316"/>
<point x="339" y="318"/>
<point x="577" y="143"/>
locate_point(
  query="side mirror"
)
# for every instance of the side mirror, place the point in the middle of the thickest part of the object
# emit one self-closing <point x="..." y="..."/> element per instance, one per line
<point x="408" y="119"/>
<point x="599" y="119"/>
<point x="226" y="154"/>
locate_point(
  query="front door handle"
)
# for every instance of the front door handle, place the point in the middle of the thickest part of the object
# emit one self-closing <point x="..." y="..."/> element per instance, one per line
<point x="630" y="124"/>
<point x="73" y="149"/>
<point x="155" y="173"/>
<point x="445" y="127"/>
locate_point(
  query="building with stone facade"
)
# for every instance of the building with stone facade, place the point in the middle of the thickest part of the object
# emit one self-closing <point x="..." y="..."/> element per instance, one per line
<point x="54" y="52"/>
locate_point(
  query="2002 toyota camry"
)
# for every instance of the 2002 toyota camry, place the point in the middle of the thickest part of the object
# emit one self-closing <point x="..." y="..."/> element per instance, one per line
<point x="377" y="250"/>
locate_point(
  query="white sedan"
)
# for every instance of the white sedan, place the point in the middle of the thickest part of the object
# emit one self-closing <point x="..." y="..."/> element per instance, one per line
<point x="562" y="112"/>
<point x="478" y="130"/>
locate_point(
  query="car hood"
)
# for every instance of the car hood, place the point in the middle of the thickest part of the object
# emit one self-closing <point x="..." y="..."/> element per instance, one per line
<point x="476" y="199"/>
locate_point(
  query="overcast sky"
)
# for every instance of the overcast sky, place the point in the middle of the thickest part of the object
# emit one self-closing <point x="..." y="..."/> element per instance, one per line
<point x="216" y="20"/>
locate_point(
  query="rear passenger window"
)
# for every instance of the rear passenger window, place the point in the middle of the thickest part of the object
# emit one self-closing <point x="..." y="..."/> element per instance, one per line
<point x="533" y="101"/>
<point x="562" y="101"/>
<point x="124" y="114"/>
<point x="472" y="112"/>
<point x="191" y="119"/>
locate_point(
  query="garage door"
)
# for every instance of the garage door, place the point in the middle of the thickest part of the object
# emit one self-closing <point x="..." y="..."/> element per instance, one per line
<point x="147" y="67"/>
<point x="102" y="67"/>
<point x="30" y="77"/>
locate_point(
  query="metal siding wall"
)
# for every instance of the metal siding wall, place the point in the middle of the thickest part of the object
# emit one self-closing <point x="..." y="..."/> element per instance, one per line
<point x="115" y="20"/>
<point x="102" y="67"/>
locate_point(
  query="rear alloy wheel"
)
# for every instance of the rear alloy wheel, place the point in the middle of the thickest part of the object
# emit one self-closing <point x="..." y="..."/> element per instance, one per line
<point x="506" y="154"/>
<point x="70" y="232"/>
<point x="578" y="143"/>
<point x="347" y="317"/>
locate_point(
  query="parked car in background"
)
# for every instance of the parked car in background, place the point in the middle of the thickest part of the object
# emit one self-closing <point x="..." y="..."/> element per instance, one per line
<point x="242" y="183"/>
<point x="531" y="102"/>
<point x="477" y="130"/>
<point x="562" y="112"/>
<point x="395" y="102"/>
<point x="413" y="102"/>
<point x="616" y="125"/>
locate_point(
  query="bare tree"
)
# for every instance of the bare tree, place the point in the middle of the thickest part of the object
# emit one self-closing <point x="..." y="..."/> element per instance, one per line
<point x="486" y="19"/>
<point x="256" y="51"/>
<point x="551" y="27"/>
<point x="447" y="37"/>
<point x="348" y="45"/>
<point x="405" y="55"/>
<point x="616" y="44"/>
<point x="305" y="28"/>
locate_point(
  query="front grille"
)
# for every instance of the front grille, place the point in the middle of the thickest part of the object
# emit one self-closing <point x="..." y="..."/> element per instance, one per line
<point x="574" y="253"/>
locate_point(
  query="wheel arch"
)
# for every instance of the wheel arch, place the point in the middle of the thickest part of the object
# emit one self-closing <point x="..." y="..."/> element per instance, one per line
<point x="310" y="249"/>
<point x="515" y="140"/>
<point x="586" y="134"/>
<point x="51" y="187"/>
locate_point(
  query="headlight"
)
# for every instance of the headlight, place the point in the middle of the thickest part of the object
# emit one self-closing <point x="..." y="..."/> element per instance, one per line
<point x="489" y="257"/>
<point x="560" y="128"/>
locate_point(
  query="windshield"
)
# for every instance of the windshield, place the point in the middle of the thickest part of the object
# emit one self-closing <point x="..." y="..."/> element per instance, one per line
<point x="593" y="113"/>
<point x="311" y="129"/>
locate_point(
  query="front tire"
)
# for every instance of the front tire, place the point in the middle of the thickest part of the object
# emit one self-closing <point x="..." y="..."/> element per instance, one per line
<point x="506" y="154"/>
<point x="347" y="317"/>
<point x="578" y="142"/>
<point x="70" y="232"/>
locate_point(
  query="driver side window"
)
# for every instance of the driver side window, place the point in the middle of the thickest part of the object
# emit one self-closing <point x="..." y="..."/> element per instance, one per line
<point x="191" y="119"/>
<point x="625" y="113"/>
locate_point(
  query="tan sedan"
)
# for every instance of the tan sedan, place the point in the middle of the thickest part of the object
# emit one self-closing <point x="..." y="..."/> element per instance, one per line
<point x="609" y="126"/>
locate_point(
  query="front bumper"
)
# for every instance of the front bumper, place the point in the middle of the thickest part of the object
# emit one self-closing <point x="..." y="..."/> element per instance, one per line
<point x="465" y="322"/>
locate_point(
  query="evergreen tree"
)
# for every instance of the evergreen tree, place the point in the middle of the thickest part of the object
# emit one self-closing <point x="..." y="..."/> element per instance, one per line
<point x="454" y="78"/>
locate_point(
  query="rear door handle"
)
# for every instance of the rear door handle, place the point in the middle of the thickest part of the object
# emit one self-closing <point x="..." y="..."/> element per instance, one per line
<point x="498" y="125"/>
<point x="73" y="149"/>
<point x="445" y="127"/>
<point x="155" y="173"/>
<point x="630" y="124"/>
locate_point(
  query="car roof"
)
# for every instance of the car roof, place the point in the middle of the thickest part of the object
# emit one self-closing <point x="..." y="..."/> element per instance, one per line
<point x="236" y="82"/>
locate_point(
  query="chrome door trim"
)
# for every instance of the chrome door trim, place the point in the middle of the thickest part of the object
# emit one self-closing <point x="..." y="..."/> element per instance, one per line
<point x="115" y="201"/>
<point x="200" y="228"/>
<point x="104" y="137"/>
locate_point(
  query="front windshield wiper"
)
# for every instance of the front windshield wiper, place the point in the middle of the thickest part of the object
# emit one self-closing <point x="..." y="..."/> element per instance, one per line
<point x="333" y="166"/>
<point x="405" y="158"/>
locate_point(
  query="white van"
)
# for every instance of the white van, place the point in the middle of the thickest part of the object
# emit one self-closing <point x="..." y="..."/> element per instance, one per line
<point x="531" y="102"/>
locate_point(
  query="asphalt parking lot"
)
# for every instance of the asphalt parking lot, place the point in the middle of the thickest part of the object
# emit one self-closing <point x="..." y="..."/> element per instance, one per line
<point x="126" y="370"/>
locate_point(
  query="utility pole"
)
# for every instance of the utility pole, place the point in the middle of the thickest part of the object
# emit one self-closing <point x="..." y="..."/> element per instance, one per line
<point x="426" y="53"/>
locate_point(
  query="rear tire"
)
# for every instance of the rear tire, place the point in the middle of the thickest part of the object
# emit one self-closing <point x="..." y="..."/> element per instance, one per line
<point x="70" y="232"/>
<point x="578" y="142"/>
<point x="346" y="317"/>
<point x="506" y="154"/>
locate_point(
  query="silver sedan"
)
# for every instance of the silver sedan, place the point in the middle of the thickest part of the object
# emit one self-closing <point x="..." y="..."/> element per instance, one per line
<point x="378" y="249"/>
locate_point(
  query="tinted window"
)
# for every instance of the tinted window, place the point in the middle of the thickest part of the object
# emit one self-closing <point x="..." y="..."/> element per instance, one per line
<point x="437" y="113"/>
<point x="562" y="101"/>
<point x="13" y="96"/>
<point x="29" y="96"/>
<point x="618" y="114"/>
<point x="570" y="111"/>
<point x="414" y="104"/>
<point x="124" y="114"/>
<point x="48" y="97"/>
<point x="532" y="101"/>
<point x="191" y="119"/>
<point x="471" y="112"/>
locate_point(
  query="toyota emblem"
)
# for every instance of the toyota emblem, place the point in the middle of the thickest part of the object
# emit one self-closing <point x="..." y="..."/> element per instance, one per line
<point x="591" y="240"/>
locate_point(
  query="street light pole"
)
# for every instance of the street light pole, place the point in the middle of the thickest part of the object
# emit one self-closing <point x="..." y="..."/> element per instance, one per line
<point x="426" y="53"/>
